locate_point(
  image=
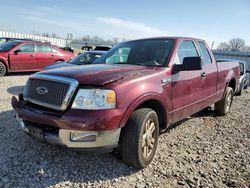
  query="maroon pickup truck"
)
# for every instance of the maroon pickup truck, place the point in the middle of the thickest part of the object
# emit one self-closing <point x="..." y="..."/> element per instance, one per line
<point x="133" y="93"/>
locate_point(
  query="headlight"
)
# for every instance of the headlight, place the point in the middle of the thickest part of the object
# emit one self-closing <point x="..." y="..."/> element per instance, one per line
<point x="94" y="99"/>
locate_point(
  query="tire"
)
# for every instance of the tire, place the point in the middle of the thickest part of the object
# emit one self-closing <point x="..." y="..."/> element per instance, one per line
<point x="223" y="106"/>
<point x="2" y="69"/>
<point x="139" y="138"/>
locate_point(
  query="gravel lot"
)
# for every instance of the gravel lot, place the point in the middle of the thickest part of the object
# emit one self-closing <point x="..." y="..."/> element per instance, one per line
<point x="202" y="151"/>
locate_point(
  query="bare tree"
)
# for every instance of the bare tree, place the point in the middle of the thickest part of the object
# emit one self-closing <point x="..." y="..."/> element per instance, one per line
<point x="246" y="49"/>
<point x="236" y="44"/>
<point x="223" y="46"/>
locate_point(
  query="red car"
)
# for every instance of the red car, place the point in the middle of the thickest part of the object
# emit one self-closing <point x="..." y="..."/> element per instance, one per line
<point x="20" y="56"/>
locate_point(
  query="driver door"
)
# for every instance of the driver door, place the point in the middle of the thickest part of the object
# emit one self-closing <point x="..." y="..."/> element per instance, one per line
<point x="187" y="86"/>
<point x="23" y="58"/>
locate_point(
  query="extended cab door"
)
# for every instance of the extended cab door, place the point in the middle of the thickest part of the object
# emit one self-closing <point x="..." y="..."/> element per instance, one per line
<point x="44" y="55"/>
<point x="187" y="86"/>
<point x="23" y="57"/>
<point x="210" y="74"/>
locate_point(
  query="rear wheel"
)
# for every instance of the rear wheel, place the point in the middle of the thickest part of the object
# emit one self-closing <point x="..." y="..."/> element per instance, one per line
<point x="139" y="138"/>
<point x="2" y="69"/>
<point x="223" y="106"/>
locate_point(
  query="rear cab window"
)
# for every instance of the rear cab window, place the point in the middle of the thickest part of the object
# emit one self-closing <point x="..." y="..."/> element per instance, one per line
<point x="204" y="53"/>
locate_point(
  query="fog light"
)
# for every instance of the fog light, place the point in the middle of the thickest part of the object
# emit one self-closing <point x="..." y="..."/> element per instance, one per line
<point x="83" y="136"/>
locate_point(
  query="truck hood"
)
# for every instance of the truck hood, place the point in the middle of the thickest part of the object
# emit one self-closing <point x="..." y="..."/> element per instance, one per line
<point x="99" y="74"/>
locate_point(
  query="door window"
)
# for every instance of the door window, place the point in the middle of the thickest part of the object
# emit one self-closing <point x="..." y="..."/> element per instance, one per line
<point x="186" y="49"/>
<point x="205" y="54"/>
<point x="43" y="48"/>
<point x="27" y="48"/>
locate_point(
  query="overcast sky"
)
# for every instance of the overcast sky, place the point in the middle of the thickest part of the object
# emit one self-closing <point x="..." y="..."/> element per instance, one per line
<point x="208" y="19"/>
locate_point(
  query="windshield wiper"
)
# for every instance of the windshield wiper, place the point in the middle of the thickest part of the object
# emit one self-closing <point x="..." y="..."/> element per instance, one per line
<point x="147" y="65"/>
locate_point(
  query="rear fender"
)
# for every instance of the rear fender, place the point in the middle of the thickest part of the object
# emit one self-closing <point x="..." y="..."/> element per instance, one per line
<point x="230" y="80"/>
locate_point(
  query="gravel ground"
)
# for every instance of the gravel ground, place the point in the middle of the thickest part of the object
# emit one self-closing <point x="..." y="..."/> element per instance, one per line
<point x="202" y="151"/>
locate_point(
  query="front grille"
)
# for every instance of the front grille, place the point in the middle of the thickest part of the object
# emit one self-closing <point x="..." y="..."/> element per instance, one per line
<point x="55" y="92"/>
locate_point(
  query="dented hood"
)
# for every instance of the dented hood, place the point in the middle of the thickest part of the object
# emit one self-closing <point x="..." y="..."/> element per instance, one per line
<point x="99" y="74"/>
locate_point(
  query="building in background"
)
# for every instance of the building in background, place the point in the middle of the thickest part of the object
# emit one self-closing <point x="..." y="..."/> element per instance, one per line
<point x="236" y="55"/>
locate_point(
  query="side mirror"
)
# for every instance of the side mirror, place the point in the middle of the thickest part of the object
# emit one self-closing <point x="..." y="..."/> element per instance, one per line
<point x="16" y="52"/>
<point x="188" y="64"/>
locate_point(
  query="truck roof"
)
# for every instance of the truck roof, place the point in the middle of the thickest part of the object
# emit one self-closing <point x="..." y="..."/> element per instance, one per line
<point x="169" y="37"/>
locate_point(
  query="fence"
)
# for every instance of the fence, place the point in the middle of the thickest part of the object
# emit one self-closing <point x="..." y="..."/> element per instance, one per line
<point x="55" y="41"/>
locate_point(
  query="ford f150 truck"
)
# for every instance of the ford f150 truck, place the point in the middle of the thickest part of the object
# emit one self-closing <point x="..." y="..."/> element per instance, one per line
<point x="132" y="94"/>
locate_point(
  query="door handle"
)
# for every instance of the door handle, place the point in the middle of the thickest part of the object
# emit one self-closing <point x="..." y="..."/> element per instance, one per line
<point x="52" y="55"/>
<point x="203" y="75"/>
<point x="31" y="55"/>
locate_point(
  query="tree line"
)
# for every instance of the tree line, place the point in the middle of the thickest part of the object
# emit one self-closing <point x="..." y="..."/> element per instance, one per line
<point x="235" y="44"/>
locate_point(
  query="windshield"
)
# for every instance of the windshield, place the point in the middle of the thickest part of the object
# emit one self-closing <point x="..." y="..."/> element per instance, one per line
<point x="8" y="46"/>
<point x="84" y="58"/>
<point x="151" y="52"/>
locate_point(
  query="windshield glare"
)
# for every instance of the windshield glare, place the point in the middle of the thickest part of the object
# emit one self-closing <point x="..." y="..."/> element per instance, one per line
<point x="152" y="52"/>
<point x="8" y="46"/>
<point x="84" y="58"/>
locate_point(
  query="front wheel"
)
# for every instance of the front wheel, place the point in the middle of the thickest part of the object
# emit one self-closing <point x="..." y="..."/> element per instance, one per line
<point x="2" y="69"/>
<point x="139" y="138"/>
<point x="223" y="106"/>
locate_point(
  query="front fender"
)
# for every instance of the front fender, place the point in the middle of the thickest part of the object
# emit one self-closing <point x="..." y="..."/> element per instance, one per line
<point x="139" y="101"/>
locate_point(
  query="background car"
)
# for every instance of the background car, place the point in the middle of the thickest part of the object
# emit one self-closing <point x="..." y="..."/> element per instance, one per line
<point x="82" y="59"/>
<point x="23" y="56"/>
<point x="7" y="39"/>
<point x="97" y="48"/>
<point x="244" y="77"/>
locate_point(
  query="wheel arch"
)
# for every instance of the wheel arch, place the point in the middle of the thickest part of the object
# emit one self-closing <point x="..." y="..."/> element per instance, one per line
<point x="152" y="101"/>
<point x="232" y="84"/>
<point x="5" y="64"/>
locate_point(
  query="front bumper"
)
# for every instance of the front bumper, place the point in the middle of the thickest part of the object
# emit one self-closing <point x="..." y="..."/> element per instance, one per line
<point x="104" y="140"/>
<point x="38" y="122"/>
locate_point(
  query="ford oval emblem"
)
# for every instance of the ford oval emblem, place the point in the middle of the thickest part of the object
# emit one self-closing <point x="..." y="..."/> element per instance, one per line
<point x="42" y="90"/>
